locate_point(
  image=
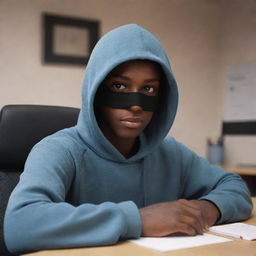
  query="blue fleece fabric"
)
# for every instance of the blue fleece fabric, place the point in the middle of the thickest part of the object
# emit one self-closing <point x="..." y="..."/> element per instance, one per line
<point x="77" y="190"/>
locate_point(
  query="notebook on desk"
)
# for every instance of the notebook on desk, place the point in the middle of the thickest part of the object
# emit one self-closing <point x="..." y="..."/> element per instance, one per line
<point x="164" y="244"/>
<point x="239" y="230"/>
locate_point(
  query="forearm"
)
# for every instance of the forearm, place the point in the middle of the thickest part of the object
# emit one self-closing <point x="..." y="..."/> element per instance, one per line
<point x="43" y="226"/>
<point x="232" y="198"/>
<point x="227" y="191"/>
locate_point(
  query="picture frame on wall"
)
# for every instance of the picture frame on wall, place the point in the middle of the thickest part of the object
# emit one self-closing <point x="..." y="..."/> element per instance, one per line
<point x="68" y="40"/>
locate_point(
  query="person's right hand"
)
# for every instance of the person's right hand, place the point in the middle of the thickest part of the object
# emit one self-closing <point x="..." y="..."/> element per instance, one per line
<point x="181" y="216"/>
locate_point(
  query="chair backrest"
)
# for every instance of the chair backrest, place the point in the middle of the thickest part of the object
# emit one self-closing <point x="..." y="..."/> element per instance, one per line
<point x="21" y="127"/>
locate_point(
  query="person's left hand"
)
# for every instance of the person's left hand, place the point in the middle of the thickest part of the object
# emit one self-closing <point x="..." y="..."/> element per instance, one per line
<point x="208" y="210"/>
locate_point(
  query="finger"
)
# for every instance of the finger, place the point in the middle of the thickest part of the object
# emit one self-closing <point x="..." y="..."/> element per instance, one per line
<point x="196" y="205"/>
<point x="203" y="210"/>
<point x="192" y="223"/>
<point x="187" y="229"/>
<point x="195" y="217"/>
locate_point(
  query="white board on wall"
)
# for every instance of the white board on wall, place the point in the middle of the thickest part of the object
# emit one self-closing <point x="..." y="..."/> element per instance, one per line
<point x="240" y="97"/>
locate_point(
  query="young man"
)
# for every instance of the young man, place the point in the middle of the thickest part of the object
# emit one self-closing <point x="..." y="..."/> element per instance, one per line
<point x="116" y="175"/>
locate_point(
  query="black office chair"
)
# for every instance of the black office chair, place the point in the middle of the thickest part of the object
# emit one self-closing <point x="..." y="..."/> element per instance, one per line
<point x="21" y="127"/>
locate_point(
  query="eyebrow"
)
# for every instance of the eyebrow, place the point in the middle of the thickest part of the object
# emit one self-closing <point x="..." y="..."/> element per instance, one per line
<point x="128" y="79"/>
<point x="152" y="80"/>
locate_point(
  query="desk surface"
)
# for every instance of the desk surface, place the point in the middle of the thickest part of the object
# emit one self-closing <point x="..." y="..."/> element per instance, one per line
<point x="242" y="170"/>
<point x="233" y="248"/>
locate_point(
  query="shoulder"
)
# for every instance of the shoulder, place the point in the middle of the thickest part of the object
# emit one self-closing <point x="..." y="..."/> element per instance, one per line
<point x="66" y="140"/>
<point x="57" y="155"/>
<point x="63" y="146"/>
<point x="178" y="152"/>
<point x="170" y="150"/>
<point x="172" y="145"/>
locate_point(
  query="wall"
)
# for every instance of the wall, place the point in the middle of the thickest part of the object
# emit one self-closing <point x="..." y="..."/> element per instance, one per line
<point x="194" y="33"/>
<point x="238" y="47"/>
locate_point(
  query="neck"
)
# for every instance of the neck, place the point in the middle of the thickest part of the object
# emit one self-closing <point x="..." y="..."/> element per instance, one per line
<point x="127" y="147"/>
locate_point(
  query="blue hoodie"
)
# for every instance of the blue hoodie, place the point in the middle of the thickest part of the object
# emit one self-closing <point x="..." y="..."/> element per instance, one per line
<point x="78" y="190"/>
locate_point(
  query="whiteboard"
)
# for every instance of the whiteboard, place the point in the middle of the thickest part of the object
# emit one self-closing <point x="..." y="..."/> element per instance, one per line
<point x="240" y="94"/>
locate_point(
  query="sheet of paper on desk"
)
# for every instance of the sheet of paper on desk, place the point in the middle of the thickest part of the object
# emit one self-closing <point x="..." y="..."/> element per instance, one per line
<point x="240" y="230"/>
<point x="164" y="244"/>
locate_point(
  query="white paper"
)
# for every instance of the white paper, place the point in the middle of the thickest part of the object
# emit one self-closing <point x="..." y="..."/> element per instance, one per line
<point x="240" y="230"/>
<point x="164" y="244"/>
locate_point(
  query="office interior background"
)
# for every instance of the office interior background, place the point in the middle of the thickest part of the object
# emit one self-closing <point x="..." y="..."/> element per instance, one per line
<point x="203" y="39"/>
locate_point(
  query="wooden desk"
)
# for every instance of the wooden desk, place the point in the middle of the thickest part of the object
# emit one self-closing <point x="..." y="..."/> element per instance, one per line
<point x="236" y="247"/>
<point x="242" y="170"/>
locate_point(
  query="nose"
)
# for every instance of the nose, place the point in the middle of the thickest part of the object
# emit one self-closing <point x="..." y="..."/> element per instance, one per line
<point x="135" y="108"/>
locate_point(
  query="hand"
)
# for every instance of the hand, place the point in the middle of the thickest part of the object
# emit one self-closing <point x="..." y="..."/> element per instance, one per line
<point x="182" y="216"/>
<point x="209" y="211"/>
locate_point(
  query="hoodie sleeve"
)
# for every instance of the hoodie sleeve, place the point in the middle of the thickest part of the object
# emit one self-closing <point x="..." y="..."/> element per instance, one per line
<point x="202" y="180"/>
<point x="38" y="218"/>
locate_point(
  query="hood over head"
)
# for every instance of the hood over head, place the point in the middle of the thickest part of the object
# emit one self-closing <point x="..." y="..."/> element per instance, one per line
<point x="125" y="43"/>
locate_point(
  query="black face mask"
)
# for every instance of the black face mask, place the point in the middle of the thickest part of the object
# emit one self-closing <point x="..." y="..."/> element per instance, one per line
<point x="124" y="100"/>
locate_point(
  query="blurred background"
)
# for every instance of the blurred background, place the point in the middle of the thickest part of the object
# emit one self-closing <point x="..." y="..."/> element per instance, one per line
<point x="203" y="39"/>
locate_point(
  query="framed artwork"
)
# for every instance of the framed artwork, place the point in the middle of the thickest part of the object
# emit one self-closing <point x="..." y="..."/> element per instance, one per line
<point x="68" y="40"/>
